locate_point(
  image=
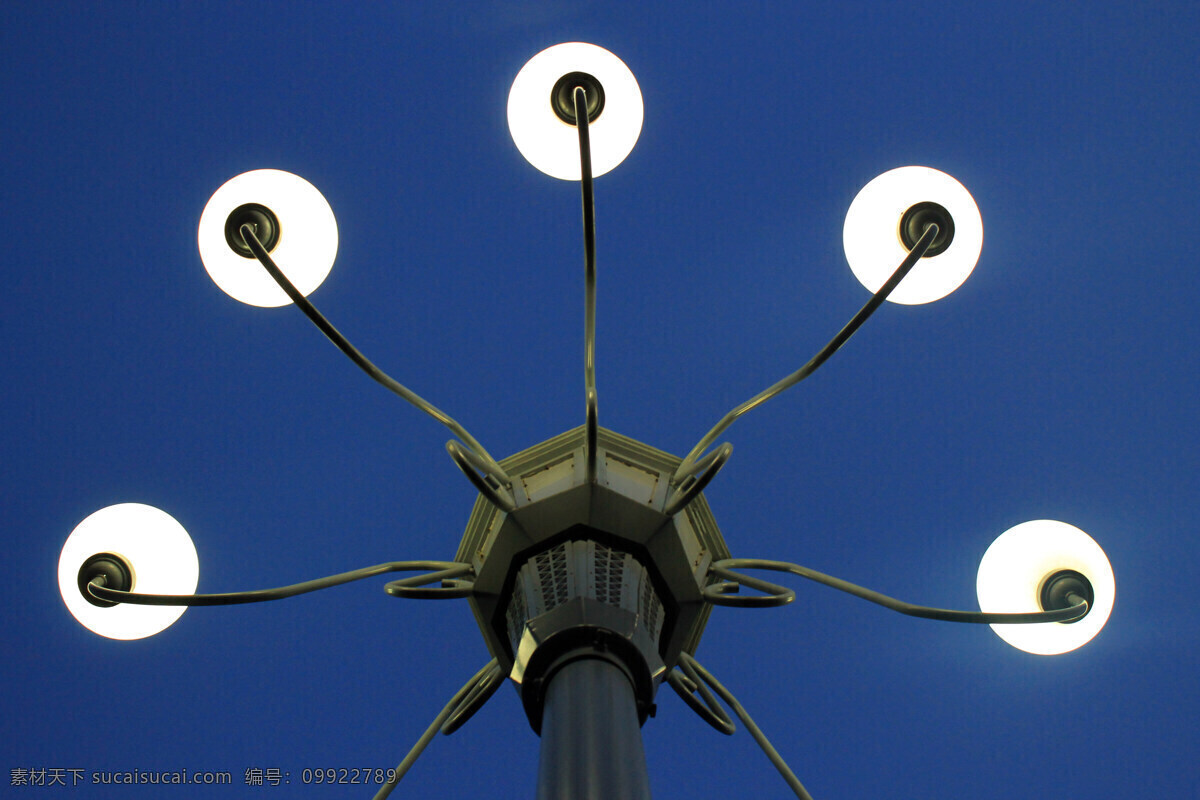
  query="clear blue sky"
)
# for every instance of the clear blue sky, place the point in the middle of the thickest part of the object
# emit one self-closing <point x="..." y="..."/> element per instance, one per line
<point x="1059" y="382"/>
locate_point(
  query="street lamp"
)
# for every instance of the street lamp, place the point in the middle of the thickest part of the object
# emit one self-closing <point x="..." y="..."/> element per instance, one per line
<point x="591" y="561"/>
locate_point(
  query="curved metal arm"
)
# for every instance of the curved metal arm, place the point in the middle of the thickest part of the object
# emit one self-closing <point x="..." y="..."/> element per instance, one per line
<point x="480" y="693"/>
<point x="457" y="705"/>
<point x="719" y="593"/>
<point x="687" y="492"/>
<point x="820" y="358"/>
<point x="695" y="674"/>
<point x="364" y="363"/>
<point x="449" y="575"/>
<point x="263" y="595"/>
<point x="579" y="97"/>
<point x="498" y="495"/>
<point x="725" y="569"/>
<point x="711" y="712"/>
<point x="592" y="435"/>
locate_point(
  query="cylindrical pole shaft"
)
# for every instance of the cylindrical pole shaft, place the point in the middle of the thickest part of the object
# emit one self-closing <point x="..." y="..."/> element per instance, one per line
<point x="591" y="738"/>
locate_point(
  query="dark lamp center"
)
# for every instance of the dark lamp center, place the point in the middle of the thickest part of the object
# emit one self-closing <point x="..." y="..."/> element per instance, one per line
<point x="261" y="219"/>
<point x="562" y="96"/>
<point x="918" y="217"/>
<point x="1064" y="589"/>
<point x="110" y="570"/>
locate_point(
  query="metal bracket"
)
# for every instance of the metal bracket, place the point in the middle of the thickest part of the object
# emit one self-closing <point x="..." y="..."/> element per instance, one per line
<point x="449" y="574"/>
<point x="686" y="684"/>
<point x="719" y="593"/>
<point x="691" y="486"/>
<point x="480" y="692"/>
<point x="489" y="485"/>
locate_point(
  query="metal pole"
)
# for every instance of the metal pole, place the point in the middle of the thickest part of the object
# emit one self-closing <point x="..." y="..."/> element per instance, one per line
<point x="591" y="737"/>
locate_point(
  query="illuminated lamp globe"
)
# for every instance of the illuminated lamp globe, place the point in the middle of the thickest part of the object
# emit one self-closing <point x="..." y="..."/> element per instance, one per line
<point x="540" y="105"/>
<point x="888" y="216"/>
<point x="155" y="555"/>
<point x="292" y="220"/>
<point x="1017" y="570"/>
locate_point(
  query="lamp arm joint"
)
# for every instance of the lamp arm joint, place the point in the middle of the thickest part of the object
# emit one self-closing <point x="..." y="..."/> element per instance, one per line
<point x="489" y="484"/>
<point x="697" y="478"/>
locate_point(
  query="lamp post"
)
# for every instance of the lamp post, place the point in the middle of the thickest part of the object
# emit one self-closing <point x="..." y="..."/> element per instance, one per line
<point x="591" y="561"/>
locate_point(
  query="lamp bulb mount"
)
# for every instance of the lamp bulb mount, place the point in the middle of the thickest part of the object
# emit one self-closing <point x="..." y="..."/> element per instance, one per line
<point x="114" y="571"/>
<point x="1063" y="589"/>
<point x="918" y="217"/>
<point x="562" y="96"/>
<point x="261" y="219"/>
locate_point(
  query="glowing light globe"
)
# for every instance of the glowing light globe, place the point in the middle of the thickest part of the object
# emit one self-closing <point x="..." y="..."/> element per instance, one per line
<point x="160" y="556"/>
<point x="303" y="225"/>
<point x="876" y="228"/>
<point x="1015" y="569"/>
<point x="550" y="143"/>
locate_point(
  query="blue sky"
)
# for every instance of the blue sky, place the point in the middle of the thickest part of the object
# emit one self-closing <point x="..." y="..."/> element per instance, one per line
<point x="1059" y="382"/>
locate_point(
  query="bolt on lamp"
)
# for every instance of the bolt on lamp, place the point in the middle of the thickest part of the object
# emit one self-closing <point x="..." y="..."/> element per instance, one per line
<point x="591" y="561"/>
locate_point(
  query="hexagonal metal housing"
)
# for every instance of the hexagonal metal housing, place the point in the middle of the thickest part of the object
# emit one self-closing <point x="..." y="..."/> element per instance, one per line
<point x="623" y="509"/>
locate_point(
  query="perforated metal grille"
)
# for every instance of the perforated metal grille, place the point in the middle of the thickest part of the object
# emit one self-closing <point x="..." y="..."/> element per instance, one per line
<point x="609" y="572"/>
<point x="553" y="578"/>
<point x="650" y="608"/>
<point x="582" y="569"/>
<point x="516" y="615"/>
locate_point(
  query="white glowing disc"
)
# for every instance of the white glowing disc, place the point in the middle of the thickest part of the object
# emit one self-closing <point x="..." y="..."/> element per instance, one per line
<point x="157" y="548"/>
<point x="1011" y="575"/>
<point x="872" y="234"/>
<point x="308" y="237"/>
<point x="552" y="145"/>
